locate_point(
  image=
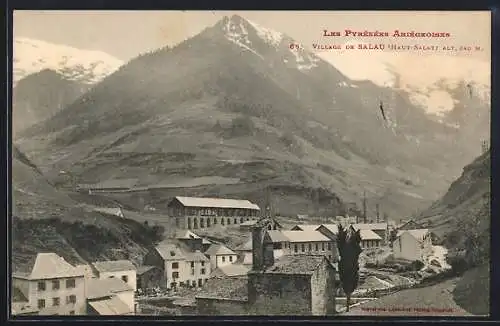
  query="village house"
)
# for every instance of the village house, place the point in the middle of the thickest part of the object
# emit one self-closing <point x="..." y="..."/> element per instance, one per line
<point x="244" y="252"/>
<point x="122" y="269"/>
<point x="200" y="213"/>
<point x="413" y="244"/>
<point x="180" y="266"/>
<point x="149" y="277"/>
<point x="109" y="296"/>
<point x="294" y="285"/>
<point x="370" y="239"/>
<point x="220" y="255"/>
<point x="52" y="287"/>
<point x="312" y="243"/>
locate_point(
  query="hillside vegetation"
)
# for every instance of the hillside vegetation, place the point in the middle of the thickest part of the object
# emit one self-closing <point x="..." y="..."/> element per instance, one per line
<point x="47" y="220"/>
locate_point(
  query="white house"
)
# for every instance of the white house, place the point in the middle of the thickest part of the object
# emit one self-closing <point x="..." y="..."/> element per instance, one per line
<point x="122" y="269"/>
<point x="413" y="244"/>
<point x="220" y="255"/>
<point x="370" y="239"/>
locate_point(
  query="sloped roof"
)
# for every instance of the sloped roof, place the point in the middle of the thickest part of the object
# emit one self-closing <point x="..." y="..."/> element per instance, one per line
<point x="225" y="288"/>
<point x="19" y="308"/>
<point x="418" y="234"/>
<point x="170" y="251"/>
<point x="216" y="202"/>
<point x="334" y="228"/>
<point x="369" y="235"/>
<point x="186" y="234"/>
<point x="100" y="288"/>
<point x="306" y="227"/>
<point x="370" y="226"/>
<point x="278" y="236"/>
<point x="296" y="265"/>
<point x="195" y="256"/>
<point x="110" y="306"/>
<point x="219" y="249"/>
<point x="231" y="270"/>
<point x="305" y="236"/>
<point x="50" y="265"/>
<point x="18" y="295"/>
<point x="247" y="246"/>
<point x="143" y="269"/>
<point x="85" y="269"/>
<point x="114" y="266"/>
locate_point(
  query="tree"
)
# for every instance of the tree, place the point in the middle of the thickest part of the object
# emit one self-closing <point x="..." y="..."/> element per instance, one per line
<point x="348" y="242"/>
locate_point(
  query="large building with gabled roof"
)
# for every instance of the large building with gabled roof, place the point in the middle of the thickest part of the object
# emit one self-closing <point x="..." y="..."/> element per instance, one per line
<point x="200" y="212"/>
<point x="52" y="286"/>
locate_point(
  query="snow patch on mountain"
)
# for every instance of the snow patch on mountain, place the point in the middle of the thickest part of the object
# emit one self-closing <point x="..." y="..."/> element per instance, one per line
<point x="268" y="35"/>
<point x="32" y="56"/>
<point x="429" y="80"/>
<point x="236" y="32"/>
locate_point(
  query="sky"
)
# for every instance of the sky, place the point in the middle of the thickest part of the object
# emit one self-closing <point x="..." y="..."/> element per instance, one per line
<point x="126" y="34"/>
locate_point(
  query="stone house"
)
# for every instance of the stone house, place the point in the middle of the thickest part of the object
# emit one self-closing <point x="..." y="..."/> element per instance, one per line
<point x="220" y="255"/>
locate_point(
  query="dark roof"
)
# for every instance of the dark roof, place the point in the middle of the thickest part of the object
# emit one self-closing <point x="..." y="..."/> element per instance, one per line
<point x="296" y="265"/>
<point x="225" y="288"/>
<point x="144" y="269"/>
<point x="17" y="295"/>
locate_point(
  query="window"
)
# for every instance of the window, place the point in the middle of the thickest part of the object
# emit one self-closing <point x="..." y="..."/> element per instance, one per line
<point x="70" y="284"/>
<point x="125" y="278"/>
<point x="329" y="246"/>
<point x="323" y="246"/>
<point x="310" y="247"/>
<point x="235" y="221"/>
<point x="222" y="221"/>
<point x="200" y="282"/>
<point x="192" y="271"/>
<point x="175" y="275"/>
<point x="72" y="312"/>
<point x="41" y="286"/>
<point x="303" y="247"/>
<point x="175" y="265"/>
<point x="55" y="301"/>
<point x="223" y="259"/>
<point x="71" y="299"/>
<point x="228" y="221"/>
<point x="202" y="271"/>
<point x="202" y="263"/>
<point x="295" y="248"/>
<point x="41" y="303"/>
<point x="230" y="258"/>
<point x="55" y="285"/>
<point x="194" y="284"/>
<point x="192" y="264"/>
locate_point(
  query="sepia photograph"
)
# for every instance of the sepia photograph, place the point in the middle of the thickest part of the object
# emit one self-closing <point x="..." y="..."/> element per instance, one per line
<point x="250" y="163"/>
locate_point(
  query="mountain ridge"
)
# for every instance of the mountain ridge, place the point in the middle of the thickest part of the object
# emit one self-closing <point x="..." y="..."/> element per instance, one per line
<point x="176" y="100"/>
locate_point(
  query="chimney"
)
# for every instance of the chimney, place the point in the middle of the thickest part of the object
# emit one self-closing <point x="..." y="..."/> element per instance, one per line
<point x="262" y="247"/>
<point x="378" y="212"/>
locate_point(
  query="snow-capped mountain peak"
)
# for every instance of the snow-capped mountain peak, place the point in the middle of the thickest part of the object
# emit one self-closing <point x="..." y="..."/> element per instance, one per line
<point x="86" y="66"/>
<point x="259" y="40"/>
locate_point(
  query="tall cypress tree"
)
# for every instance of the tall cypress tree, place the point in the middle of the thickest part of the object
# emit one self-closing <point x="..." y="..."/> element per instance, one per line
<point x="348" y="242"/>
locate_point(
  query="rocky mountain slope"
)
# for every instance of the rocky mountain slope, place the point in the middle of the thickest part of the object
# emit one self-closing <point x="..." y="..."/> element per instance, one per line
<point x="48" y="220"/>
<point x="461" y="218"/>
<point x="40" y="95"/>
<point x="233" y="111"/>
